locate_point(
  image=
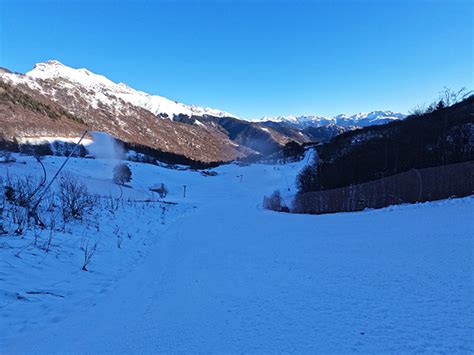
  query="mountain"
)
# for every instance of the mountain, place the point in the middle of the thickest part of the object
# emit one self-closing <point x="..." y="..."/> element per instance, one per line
<point x="101" y="89"/>
<point x="323" y="129"/>
<point x="368" y="119"/>
<point x="56" y="100"/>
<point x="438" y="137"/>
<point x="343" y="120"/>
<point x="299" y="122"/>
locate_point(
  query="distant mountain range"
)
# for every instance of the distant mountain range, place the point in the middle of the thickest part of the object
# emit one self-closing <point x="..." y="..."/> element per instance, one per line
<point x="56" y="100"/>
<point x="358" y="120"/>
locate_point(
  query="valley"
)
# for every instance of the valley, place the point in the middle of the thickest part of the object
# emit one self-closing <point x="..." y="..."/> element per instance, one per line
<point x="217" y="273"/>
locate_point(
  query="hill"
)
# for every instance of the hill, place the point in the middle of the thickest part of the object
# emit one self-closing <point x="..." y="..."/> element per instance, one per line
<point x="443" y="136"/>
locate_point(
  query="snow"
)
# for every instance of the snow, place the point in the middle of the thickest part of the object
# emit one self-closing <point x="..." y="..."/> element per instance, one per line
<point x="105" y="146"/>
<point x="49" y="139"/>
<point x="220" y="274"/>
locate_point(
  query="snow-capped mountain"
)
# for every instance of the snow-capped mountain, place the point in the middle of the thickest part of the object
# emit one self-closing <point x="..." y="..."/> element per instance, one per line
<point x="300" y="122"/>
<point x="56" y="100"/>
<point x="103" y="91"/>
<point x="368" y="119"/>
<point x="344" y="120"/>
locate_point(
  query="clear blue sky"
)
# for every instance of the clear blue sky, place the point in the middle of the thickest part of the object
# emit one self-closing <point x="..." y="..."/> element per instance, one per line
<point x="255" y="58"/>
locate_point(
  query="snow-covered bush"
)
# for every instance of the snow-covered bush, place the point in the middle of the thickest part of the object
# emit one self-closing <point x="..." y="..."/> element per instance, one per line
<point x="122" y="174"/>
<point x="20" y="190"/>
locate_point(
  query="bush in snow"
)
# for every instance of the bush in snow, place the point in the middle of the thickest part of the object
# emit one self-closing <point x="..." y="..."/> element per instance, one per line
<point x="274" y="202"/>
<point x="73" y="196"/>
<point x="19" y="190"/>
<point x="89" y="251"/>
<point x="122" y="174"/>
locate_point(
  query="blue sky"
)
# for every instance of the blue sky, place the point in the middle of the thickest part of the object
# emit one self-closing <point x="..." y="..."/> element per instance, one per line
<point x="254" y="58"/>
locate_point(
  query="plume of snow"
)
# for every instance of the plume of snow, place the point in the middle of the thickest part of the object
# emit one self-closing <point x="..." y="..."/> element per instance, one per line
<point x="105" y="146"/>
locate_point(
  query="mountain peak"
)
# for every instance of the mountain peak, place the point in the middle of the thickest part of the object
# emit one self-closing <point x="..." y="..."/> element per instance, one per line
<point x="54" y="69"/>
<point x="104" y="88"/>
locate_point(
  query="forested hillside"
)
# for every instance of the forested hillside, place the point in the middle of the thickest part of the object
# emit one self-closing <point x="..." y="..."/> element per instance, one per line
<point x="441" y="135"/>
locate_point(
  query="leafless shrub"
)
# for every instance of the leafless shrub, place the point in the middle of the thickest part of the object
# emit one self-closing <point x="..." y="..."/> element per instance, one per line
<point x="19" y="218"/>
<point x="19" y="190"/>
<point x="111" y="203"/>
<point x="447" y="97"/>
<point x="52" y="228"/>
<point x="450" y="97"/>
<point x="89" y="250"/>
<point x="274" y="202"/>
<point x="418" y="110"/>
<point x="74" y="198"/>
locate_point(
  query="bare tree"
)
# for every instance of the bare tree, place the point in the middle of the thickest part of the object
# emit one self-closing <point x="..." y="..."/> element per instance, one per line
<point x="450" y="97"/>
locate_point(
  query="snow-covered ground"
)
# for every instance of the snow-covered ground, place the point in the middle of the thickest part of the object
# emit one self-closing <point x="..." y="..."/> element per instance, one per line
<point x="217" y="273"/>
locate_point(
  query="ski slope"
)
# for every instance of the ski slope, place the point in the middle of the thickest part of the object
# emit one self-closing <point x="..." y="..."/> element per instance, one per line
<point x="220" y="274"/>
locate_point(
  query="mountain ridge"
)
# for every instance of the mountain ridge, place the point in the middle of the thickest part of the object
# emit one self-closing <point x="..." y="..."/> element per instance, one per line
<point x="361" y="119"/>
<point x="134" y="116"/>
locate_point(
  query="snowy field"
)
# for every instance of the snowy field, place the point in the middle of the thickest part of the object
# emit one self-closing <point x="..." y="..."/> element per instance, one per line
<point x="217" y="273"/>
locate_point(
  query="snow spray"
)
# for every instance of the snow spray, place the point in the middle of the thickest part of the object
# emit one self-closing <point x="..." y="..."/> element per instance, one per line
<point x="105" y="146"/>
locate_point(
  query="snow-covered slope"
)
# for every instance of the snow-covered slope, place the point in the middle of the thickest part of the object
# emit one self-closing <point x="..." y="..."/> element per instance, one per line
<point x="344" y="120"/>
<point x="218" y="274"/>
<point x="104" y="90"/>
